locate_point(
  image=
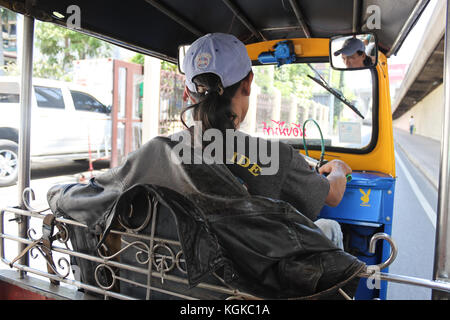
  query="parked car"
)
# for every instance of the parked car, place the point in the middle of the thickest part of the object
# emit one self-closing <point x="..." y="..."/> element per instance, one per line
<point x="67" y="123"/>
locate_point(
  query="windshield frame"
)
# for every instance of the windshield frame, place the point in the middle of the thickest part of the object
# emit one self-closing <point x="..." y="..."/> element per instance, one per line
<point x="375" y="111"/>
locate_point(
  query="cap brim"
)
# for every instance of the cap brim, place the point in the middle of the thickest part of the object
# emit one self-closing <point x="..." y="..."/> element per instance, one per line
<point x="346" y="51"/>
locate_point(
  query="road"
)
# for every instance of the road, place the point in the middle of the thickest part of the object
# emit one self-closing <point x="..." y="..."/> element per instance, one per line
<point x="413" y="230"/>
<point x="46" y="174"/>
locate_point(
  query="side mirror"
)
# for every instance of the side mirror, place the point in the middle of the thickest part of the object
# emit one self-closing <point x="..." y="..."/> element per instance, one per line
<point x="354" y="52"/>
<point x="181" y="54"/>
<point x="108" y="109"/>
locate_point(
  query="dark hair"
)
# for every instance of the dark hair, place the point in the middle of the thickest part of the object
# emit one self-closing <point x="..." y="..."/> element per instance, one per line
<point x="214" y="106"/>
<point x="367" y="60"/>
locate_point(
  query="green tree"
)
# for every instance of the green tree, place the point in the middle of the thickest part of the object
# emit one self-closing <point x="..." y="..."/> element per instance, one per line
<point x="139" y="58"/>
<point x="264" y="78"/>
<point x="168" y="66"/>
<point x="60" y="47"/>
<point x="338" y="82"/>
<point x="293" y="80"/>
<point x="289" y="79"/>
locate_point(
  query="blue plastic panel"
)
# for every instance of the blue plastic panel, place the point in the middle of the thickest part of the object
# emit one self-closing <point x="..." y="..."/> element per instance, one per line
<point x="368" y="199"/>
<point x="367" y="208"/>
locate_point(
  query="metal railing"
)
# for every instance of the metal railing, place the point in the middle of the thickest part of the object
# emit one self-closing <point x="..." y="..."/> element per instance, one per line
<point x="155" y="258"/>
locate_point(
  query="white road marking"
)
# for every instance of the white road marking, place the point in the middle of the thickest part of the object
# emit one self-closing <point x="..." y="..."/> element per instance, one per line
<point x="431" y="214"/>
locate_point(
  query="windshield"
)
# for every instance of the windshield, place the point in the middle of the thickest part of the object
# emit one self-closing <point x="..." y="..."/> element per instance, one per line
<point x="283" y="98"/>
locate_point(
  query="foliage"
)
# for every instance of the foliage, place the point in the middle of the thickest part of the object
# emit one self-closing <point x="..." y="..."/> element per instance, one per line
<point x="139" y="58"/>
<point x="169" y="66"/>
<point x="338" y="82"/>
<point x="60" y="47"/>
<point x="293" y="81"/>
<point x="288" y="79"/>
<point x="263" y="77"/>
<point x="7" y="15"/>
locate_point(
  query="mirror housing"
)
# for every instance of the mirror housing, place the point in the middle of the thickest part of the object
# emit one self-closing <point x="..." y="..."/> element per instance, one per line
<point x="181" y="54"/>
<point x="354" y="52"/>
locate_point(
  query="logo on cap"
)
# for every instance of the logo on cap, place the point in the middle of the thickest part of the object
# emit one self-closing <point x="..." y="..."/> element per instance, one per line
<point x="202" y="60"/>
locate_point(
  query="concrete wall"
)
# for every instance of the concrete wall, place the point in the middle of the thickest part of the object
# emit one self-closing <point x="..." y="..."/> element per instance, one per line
<point x="428" y="114"/>
<point x="433" y="34"/>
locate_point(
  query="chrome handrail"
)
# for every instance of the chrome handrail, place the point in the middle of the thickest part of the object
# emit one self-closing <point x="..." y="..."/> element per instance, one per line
<point x="394" y="250"/>
<point x="373" y="271"/>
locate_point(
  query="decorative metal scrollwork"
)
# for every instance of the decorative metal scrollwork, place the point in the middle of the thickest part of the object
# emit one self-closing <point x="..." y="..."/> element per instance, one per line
<point x="62" y="236"/>
<point x="29" y="191"/>
<point x="160" y="261"/>
<point x="112" y="273"/>
<point x="162" y="258"/>
<point x="179" y="261"/>
<point x="135" y="244"/>
<point x="126" y="219"/>
<point x="30" y="234"/>
<point x="163" y="263"/>
<point x="63" y="263"/>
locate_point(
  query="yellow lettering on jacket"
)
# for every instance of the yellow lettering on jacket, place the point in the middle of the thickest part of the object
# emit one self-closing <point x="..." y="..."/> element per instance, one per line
<point x="244" y="162"/>
<point x="255" y="170"/>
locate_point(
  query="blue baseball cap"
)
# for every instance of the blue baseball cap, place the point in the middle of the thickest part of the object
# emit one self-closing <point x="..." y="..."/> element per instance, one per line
<point x="351" y="46"/>
<point x="219" y="53"/>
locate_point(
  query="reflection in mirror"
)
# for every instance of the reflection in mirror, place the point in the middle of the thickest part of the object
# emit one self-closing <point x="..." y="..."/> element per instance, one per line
<point x="353" y="52"/>
<point x="181" y="54"/>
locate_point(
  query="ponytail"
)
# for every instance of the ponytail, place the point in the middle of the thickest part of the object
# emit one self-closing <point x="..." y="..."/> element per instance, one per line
<point x="214" y="108"/>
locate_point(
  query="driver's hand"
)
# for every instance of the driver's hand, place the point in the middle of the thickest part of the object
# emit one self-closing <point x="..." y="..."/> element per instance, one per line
<point x="336" y="171"/>
<point x="335" y="166"/>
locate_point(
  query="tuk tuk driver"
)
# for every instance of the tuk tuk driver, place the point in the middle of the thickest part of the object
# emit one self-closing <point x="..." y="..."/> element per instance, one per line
<point x="354" y="54"/>
<point x="219" y="75"/>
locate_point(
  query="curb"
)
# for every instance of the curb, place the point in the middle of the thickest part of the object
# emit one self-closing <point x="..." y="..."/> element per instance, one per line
<point x="416" y="164"/>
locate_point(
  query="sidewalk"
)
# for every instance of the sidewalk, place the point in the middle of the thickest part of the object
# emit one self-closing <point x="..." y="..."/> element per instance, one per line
<point x="423" y="152"/>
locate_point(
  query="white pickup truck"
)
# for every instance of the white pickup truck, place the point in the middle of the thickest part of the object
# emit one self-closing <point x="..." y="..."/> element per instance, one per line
<point x="66" y="123"/>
